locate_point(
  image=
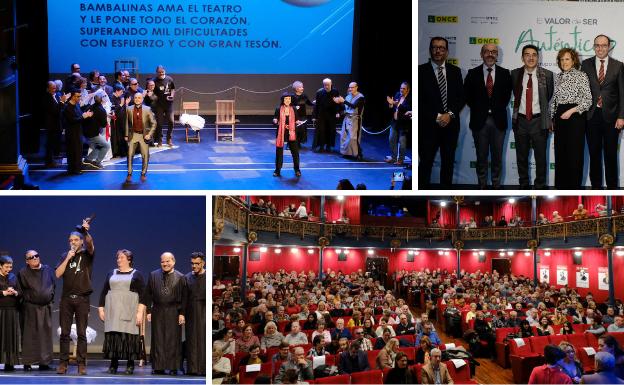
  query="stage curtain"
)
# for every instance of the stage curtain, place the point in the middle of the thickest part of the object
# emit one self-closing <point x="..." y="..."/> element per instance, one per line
<point x="332" y="207"/>
<point x="447" y="215"/>
<point x="564" y="204"/>
<point x="477" y="212"/>
<point x="351" y="207"/>
<point x="522" y="208"/>
<point x="590" y="203"/>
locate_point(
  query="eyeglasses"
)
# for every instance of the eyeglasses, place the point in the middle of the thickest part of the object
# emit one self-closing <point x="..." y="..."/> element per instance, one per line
<point x="32" y="257"/>
<point x="133" y="84"/>
<point x="601" y="45"/>
<point x="494" y="52"/>
<point x="438" y="48"/>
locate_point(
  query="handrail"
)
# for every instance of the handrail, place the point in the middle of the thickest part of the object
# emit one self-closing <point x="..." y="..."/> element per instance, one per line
<point x="237" y="213"/>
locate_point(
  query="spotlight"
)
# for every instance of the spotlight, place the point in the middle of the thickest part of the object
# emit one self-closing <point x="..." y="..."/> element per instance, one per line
<point x="442" y="204"/>
<point x="346" y="251"/>
<point x="371" y="251"/>
<point x="237" y="249"/>
<point x="340" y="197"/>
<point x="512" y="200"/>
<point x="411" y="252"/>
<point x="502" y="253"/>
<point x="416" y="252"/>
<point x="338" y="251"/>
<point x="294" y="250"/>
<point x="310" y="251"/>
<point x="278" y="251"/>
<point x="619" y="253"/>
<point x="552" y="197"/>
<point x="447" y="253"/>
<point x="578" y="253"/>
<point x="547" y="254"/>
<point x="263" y="249"/>
<point x="440" y="252"/>
<point x="482" y="253"/>
<point x="510" y="253"/>
<point x="474" y="253"/>
<point x="527" y="253"/>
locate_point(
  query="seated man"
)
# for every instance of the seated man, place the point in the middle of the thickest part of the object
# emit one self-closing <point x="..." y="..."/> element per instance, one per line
<point x="435" y="372"/>
<point x="299" y="364"/>
<point x="340" y="331"/>
<point x="365" y="343"/>
<point x="283" y="354"/>
<point x="556" y="218"/>
<point x="605" y="364"/>
<point x="617" y="325"/>
<point x="580" y="213"/>
<point x="353" y="360"/>
<point x="296" y="337"/>
<point x="429" y="332"/>
<point x="404" y="328"/>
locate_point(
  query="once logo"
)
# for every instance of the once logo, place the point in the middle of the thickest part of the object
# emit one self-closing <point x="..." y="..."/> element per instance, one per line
<point x="483" y="40"/>
<point x="453" y="61"/>
<point x="442" y="19"/>
<point x="306" y="3"/>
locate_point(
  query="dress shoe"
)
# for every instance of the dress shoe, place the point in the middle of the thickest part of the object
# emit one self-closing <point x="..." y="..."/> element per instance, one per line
<point x="130" y="367"/>
<point x="129" y="179"/>
<point x="297" y="173"/>
<point x="62" y="369"/>
<point x="158" y="144"/>
<point x="46" y="367"/>
<point x="82" y="369"/>
<point x="158" y="371"/>
<point x="170" y="143"/>
<point x="143" y="177"/>
<point x="276" y="173"/>
<point x="173" y="372"/>
<point x="27" y="368"/>
<point x="9" y="368"/>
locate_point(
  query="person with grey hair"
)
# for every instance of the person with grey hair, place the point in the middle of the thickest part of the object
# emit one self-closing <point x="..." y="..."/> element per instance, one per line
<point x="435" y="372"/>
<point x="351" y="132"/>
<point x="9" y="316"/>
<point x="53" y="105"/>
<point x="325" y="113"/>
<point x="605" y="365"/>
<point x="271" y="337"/>
<point x="299" y="102"/>
<point x="296" y="337"/>
<point x="140" y="125"/>
<point x="133" y="88"/>
<point x="92" y="128"/>
<point x="299" y="364"/>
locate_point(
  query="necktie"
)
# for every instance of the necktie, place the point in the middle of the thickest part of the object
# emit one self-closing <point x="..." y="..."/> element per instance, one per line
<point x="442" y="85"/>
<point x="489" y="83"/>
<point x="529" y="98"/>
<point x="601" y="79"/>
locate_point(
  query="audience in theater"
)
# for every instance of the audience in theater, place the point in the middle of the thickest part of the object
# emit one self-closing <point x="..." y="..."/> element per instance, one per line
<point x="435" y="372"/>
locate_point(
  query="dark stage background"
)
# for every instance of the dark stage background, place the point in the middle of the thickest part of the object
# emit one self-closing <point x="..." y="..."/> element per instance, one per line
<point x="382" y="51"/>
<point x="147" y="225"/>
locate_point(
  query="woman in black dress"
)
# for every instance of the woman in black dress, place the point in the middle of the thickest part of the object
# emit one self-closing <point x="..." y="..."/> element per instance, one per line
<point x="285" y="120"/>
<point x="299" y="102"/>
<point x="9" y="317"/>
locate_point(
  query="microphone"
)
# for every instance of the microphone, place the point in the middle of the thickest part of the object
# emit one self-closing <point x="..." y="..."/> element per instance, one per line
<point x="81" y="229"/>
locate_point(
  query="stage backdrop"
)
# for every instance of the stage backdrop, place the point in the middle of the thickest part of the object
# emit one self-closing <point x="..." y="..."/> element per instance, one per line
<point x="147" y="225"/>
<point x="512" y="24"/>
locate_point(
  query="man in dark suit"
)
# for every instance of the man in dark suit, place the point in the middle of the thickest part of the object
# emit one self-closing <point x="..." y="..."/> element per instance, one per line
<point x="606" y="115"/>
<point x="53" y="105"/>
<point x="325" y="113"/>
<point x="353" y="360"/>
<point x="605" y="371"/>
<point x="73" y="118"/>
<point x="441" y="98"/>
<point x="140" y="126"/>
<point x="533" y="88"/>
<point x="488" y="91"/>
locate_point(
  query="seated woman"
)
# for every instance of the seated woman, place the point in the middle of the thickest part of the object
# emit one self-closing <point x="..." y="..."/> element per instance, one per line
<point x="271" y="338"/>
<point x="571" y="365"/>
<point x="401" y="373"/>
<point x="221" y="366"/>
<point x="423" y="354"/>
<point x="525" y="329"/>
<point x="386" y="356"/>
<point x="567" y="328"/>
<point x="318" y="347"/>
<point x="321" y="331"/>
<point x="544" y="328"/>
<point x="224" y="340"/>
<point x="310" y="323"/>
<point x="383" y="324"/>
<point x="248" y="339"/>
<point x="369" y="332"/>
<point x="253" y="357"/>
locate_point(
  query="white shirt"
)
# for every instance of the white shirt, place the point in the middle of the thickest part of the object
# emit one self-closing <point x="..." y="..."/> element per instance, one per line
<point x="301" y="212"/>
<point x="535" y="104"/>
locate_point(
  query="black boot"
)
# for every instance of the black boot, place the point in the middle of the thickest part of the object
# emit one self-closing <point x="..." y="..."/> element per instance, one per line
<point x="112" y="369"/>
<point x="130" y="367"/>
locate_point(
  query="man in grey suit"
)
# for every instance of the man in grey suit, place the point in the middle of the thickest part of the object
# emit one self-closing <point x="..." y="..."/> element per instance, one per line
<point x="605" y="365"/>
<point x="140" y="125"/>
<point x="532" y="88"/>
<point x="606" y="116"/>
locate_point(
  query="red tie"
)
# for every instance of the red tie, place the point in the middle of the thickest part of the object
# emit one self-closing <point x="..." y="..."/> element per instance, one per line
<point x="529" y="98"/>
<point x="601" y="78"/>
<point x="489" y="84"/>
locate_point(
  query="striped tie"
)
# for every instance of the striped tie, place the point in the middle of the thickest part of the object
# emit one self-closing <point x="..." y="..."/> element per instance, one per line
<point x="442" y="85"/>
<point x="601" y="79"/>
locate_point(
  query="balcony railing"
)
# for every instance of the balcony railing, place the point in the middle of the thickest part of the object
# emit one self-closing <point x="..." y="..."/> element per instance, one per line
<point x="232" y="210"/>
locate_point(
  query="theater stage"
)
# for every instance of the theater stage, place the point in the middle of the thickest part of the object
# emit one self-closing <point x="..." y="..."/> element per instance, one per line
<point x="97" y="374"/>
<point x="245" y="164"/>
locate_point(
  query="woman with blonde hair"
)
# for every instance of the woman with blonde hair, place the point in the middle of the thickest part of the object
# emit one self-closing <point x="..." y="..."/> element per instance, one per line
<point x="571" y="365"/>
<point x="221" y="366"/>
<point x="386" y="356"/>
<point x="271" y="337"/>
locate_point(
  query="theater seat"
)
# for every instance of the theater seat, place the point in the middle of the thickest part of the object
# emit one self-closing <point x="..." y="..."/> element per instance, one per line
<point x="245" y="377"/>
<point x="341" y="379"/>
<point x="619" y="336"/>
<point x="592" y="340"/>
<point x="417" y="369"/>
<point x="577" y="340"/>
<point x="538" y="344"/>
<point x="372" y="358"/>
<point x="461" y="375"/>
<point x="586" y="360"/>
<point x="368" y="377"/>
<point x="409" y="338"/>
<point x="523" y="360"/>
<point x="502" y="346"/>
<point x="410" y="353"/>
<point x="556" y="339"/>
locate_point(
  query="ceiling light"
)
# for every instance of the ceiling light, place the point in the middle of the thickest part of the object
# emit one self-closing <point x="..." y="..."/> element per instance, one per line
<point x="237" y="249"/>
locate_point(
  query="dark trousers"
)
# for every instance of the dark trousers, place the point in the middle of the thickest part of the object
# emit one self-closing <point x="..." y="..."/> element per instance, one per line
<point x="68" y="308"/>
<point x="279" y="155"/>
<point x="569" y="149"/>
<point x="164" y="114"/>
<point x="325" y="133"/>
<point x="602" y="134"/>
<point x="530" y="134"/>
<point x="53" y="144"/>
<point x="429" y="141"/>
<point x="74" y="149"/>
<point x="489" y="140"/>
<point x="302" y="134"/>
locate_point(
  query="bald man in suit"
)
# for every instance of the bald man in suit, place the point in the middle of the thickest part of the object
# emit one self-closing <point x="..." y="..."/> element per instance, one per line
<point x="140" y="126"/>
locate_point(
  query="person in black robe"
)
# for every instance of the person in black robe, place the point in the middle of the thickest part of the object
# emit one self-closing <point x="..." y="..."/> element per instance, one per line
<point x="38" y="285"/>
<point x="53" y="105"/>
<point x="9" y="317"/>
<point x="73" y="118"/>
<point x="165" y="297"/>
<point x="119" y="146"/>
<point x="325" y="113"/>
<point x="299" y="102"/>
<point x="195" y="326"/>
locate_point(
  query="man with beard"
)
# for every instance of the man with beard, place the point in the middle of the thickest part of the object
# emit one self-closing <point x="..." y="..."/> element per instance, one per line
<point x="165" y="90"/>
<point x="326" y="113"/>
<point x="38" y="285"/>
<point x="166" y="306"/>
<point x="195" y="327"/>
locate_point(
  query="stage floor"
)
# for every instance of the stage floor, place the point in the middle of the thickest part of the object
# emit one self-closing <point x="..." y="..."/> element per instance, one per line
<point x="97" y="374"/>
<point x="245" y="164"/>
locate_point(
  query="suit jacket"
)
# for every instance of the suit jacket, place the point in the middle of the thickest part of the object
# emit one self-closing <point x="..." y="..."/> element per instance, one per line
<point x="545" y="89"/>
<point x="430" y="99"/>
<point x="52" y="111"/>
<point x="149" y="121"/>
<point x="345" y="365"/>
<point x="479" y="102"/>
<point x="601" y="377"/>
<point x="612" y="90"/>
<point x="429" y="378"/>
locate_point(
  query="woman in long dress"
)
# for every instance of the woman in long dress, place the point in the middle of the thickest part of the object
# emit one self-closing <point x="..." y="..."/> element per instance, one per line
<point x="9" y="317"/>
<point x="122" y="307"/>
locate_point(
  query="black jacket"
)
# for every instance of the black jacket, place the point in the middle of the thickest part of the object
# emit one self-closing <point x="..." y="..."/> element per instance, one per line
<point x="479" y="102"/>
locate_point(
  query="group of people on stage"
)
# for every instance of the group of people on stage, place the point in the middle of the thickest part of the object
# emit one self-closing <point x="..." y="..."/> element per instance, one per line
<point x="584" y="102"/>
<point x="114" y="120"/>
<point x="168" y="299"/>
<point x="290" y="118"/>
